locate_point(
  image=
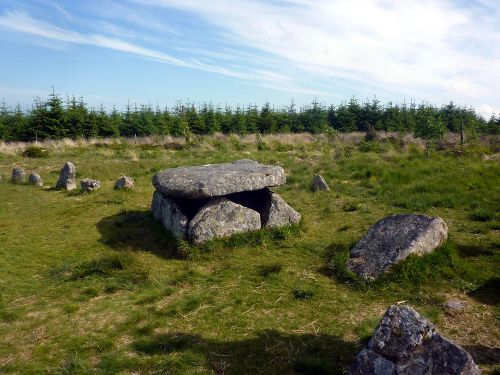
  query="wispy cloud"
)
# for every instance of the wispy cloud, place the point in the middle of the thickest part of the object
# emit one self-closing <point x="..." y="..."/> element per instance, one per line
<point x="435" y="49"/>
<point x="421" y="49"/>
<point x="22" y="22"/>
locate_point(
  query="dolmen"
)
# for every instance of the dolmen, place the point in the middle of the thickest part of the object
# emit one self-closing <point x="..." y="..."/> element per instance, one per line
<point x="393" y="239"/>
<point x="405" y="343"/>
<point x="201" y="203"/>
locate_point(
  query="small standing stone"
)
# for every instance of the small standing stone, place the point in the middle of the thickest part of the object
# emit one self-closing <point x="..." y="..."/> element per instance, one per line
<point x="67" y="178"/>
<point x="124" y="182"/>
<point x="35" y="179"/>
<point x="18" y="175"/>
<point x="89" y="185"/>
<point x="319" y="183"/>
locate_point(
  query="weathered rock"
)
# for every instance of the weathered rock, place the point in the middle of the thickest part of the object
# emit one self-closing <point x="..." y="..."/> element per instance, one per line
<point x="454" y="307"/>
<point x="405" y="343"/>
<point x="88" y="185"/>
<point x="18" y="176"/>
<point x="319" y="183"/>
<point x="217" y="179"/>
<point x="67" y="177"/>
<point x="170" y="215"/>
<point x="35" y="179"/>
<point x="124" y="182"/>
<point x="394" y="238"/>
<point x="220" y="218"/>
<point x="279" y="213"/>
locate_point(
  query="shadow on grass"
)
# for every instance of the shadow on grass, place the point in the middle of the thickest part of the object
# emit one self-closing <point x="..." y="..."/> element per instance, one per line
<point x="484" y="355"/>
<point x="270" y="352"/>
<point x="488" y="292"/>
<point x="474" y="250"/>
<point x="137" y="230"/>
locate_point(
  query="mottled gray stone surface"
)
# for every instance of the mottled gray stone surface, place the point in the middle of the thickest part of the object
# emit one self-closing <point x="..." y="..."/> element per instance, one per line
<point x="405" y="343"/>
<point x="221" y="218"/>
<point x="279" y="213"/>
<point x="88" y="185"/>
<point x="18" y="175"/>
<point x="394" y="238"/>
<point x="454" y="307"/>
<point x="124" y="182"/>
<point x="67" y="177"/>
<point x="217" y="179"/>
<point x="35" y="179"/>
<point x="170" y="215"/>
<point x="319" y="183"/>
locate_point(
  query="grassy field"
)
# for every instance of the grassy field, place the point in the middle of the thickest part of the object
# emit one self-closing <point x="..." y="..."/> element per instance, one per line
<point x="90" y="283"/>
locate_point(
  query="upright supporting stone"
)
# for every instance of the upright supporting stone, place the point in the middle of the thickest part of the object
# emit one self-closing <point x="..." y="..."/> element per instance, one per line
<point x="18" y="176"/>
<point x="221" y="218"/>
<point x="67" y="177"/>
<point x="279" y="213"/>
<point x="170" y="215"/>
<point x="35" y="179"/>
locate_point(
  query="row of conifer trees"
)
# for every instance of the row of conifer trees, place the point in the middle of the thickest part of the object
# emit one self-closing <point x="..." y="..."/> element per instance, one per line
<point x="54" y="118"/>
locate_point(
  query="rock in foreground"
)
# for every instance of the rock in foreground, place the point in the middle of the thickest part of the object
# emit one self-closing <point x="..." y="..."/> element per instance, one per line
<point x="18" y="175"/>
<point x="88" y="185"/>
<point x="216" y="180"/>
<point x="124" y="182"/>
<point x="393" y="239"/>
<point x="405" y="343"/>
<point x="67" y="177"/>
<point x="221" y="218"/>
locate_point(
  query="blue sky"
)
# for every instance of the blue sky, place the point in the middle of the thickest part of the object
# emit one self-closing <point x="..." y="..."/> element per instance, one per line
<point x="237" y="52"/>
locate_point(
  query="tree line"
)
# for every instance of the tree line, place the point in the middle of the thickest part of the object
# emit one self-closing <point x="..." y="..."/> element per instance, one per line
<point x="54" y="118"/>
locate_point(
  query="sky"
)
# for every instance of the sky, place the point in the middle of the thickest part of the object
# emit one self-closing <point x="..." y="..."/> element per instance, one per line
<point x="240" y="51"/>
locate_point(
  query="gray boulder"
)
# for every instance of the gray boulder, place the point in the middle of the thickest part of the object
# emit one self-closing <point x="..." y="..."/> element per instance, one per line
<point x="88" y="185"/>
<point x="67" y="177"/>
<point x="217" y="179"/>
<point x="393" y="239"/>
<point x="170" y="215"/>
<point x="221" y="218"/>
<point x="35" y="179"/>
<point x="124" y="182"/>
<point x="319" y="183"/>
<point x="18" y="176"/>
<point x="279" y="213"/>
<point x="405" y="343"/>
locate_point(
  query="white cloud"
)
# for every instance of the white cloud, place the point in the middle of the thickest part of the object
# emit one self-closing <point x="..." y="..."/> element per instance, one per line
<point x="487" y="111"/>
<point x="426" y="48"/>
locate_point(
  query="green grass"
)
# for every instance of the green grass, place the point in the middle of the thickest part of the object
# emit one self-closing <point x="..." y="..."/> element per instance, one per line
<point x="91" y="283"/>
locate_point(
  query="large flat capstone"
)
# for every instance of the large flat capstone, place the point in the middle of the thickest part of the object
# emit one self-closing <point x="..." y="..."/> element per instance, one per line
<point x="405" y="343"/>
<point x="215" y="180"/>
<point x="394" y="238"/>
